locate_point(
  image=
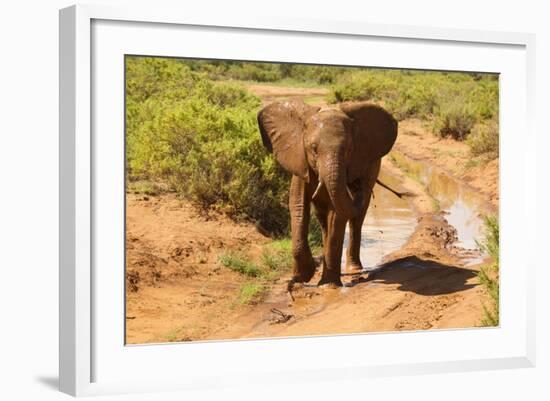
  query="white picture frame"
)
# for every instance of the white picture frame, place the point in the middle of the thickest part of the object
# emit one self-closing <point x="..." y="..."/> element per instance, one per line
<point x="92" y="39"/>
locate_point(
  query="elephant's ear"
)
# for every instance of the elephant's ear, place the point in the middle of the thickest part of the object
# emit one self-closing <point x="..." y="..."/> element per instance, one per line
<point x="374" y="132"/>
<point x="282" y="126"/>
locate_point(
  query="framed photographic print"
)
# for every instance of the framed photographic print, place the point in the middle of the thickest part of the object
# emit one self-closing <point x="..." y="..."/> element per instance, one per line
<point x="263" y="199"/>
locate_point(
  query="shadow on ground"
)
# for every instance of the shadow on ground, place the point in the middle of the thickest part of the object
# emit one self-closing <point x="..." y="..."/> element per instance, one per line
<point x="423" y="277"/>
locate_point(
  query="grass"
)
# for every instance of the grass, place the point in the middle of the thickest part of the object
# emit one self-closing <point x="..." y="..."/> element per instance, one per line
<point x="274" y="261"/>
<point x="277" y="257"/>
<point x="144" y="187"/>
<point x="489" y="275"/>
<point x="251" y="293"/>
<point x="473" y="162"/>
<point x="238" y="263"/>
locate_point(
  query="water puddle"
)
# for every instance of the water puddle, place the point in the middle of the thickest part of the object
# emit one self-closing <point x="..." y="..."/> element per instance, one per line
<point x="461" y="206"/>
<point x="390" y="220"/>
<point x="389" y="223"/>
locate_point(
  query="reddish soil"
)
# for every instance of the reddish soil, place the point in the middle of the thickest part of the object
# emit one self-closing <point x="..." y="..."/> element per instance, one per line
<point x="178" y="291"/>
<point x="416" y="141"/>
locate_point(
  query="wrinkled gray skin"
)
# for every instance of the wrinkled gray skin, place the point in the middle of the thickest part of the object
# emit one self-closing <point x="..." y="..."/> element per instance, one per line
<point x="334" y="156"/>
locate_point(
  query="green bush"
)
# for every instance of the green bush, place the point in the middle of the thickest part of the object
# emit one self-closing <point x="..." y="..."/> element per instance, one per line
<point x="261" y="72"/>
<point x="318" y="74"/>
<point x="483" y="139"/>
<point x="455" y="119"/>
<point x="266" y="72"/>
<point x="201" y="137"/>
<point x="361" y="85"/>
<point x="489" y="275"/>
<point x="484" y="97"/>
<point x="452" y="101"/>
<point x="416" y="99"/>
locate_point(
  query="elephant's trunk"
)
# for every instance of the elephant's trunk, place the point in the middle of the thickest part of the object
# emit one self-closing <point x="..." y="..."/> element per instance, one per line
<point x="334" y="177"/>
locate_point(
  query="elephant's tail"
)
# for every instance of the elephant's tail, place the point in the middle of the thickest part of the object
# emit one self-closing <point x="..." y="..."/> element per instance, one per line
<point x="399" y="194"/>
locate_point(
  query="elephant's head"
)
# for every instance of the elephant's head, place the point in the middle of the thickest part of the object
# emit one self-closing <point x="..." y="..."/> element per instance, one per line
<point x="337" y="145"/>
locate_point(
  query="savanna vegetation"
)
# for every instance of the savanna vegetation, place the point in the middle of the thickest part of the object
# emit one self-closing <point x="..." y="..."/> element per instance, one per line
<point x="191" y="129"/>
<point x="262" y="272"/>
<point x="489" y="274"/>
<point x="458" y="105"/>
<point x="191" y="125"/>
<point x="279" y="73"/>
<point x="200" y="138"/>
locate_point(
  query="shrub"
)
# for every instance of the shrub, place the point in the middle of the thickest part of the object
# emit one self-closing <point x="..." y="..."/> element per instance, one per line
<point x="201" y="137"/>
<point x="417" y="99"/>
<point x="318" y="74"/>
<point x="483" y="139"/>
<point x="261" y="72"/>
<point x="453" y="101"/>
<point x="484" y="97"/>
<point x="361" y="85"/>
<point x="454" y="119"/>
<point x="489" y="275"/>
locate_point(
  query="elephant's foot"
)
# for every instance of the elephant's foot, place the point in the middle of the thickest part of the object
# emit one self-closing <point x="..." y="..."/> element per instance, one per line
<point x="354" y="267"/>
<point x="330" y="279"/>
<point x="304" y="271"/>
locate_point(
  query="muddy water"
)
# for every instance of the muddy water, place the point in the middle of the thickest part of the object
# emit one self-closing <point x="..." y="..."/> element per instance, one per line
<point x="390" y="220"/>
<point x="389" y="223"/>
<point x="461" y="206"/>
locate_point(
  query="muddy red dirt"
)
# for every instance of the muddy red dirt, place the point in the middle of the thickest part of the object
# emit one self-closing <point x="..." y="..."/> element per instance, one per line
<point x="178" y="291"/>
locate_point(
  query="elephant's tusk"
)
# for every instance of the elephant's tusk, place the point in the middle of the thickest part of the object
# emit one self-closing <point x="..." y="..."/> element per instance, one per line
<point x="318" y="189"/>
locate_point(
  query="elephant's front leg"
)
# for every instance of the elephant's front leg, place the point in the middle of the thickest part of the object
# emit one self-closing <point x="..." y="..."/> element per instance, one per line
<point x="303" y="266"/>
<point x="353" y="260"/>
<point x="362" y="197"/>
<point x="336" y="227"/>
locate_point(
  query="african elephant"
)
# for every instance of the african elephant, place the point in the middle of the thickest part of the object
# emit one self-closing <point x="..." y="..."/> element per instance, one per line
<point x="334" y="155"/>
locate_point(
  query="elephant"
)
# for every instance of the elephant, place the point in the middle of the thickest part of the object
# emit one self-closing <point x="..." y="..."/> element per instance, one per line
<point x="334" y="155"/>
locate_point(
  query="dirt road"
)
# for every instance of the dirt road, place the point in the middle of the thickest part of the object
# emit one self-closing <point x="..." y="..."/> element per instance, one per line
<point x="178" y="291"/>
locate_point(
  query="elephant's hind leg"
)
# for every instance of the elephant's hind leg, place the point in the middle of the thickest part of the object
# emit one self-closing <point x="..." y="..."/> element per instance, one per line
<point x="303" y="266"/>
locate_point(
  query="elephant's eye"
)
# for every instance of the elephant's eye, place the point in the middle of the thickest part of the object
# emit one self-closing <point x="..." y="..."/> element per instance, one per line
<point x="314" y="148"/>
